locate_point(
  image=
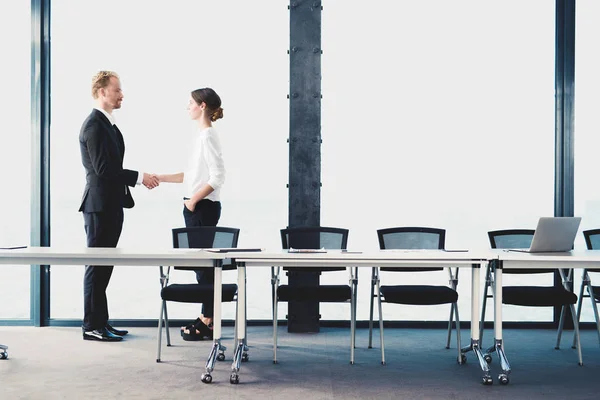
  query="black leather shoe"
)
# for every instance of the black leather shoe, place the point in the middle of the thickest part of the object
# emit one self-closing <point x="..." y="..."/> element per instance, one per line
<point x="116" y="332"/>
<point x="101" y="335"/>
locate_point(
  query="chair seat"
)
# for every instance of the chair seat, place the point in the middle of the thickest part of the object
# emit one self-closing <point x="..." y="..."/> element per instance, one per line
<point x="537" y="296"/>
<point x="196" y="293"/>
<point x="321" y="293"/>
<point x="418" y="294"/>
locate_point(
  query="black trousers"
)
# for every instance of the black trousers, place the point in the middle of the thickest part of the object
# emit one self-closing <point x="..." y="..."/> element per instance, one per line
<point x="103" y="229"/>
<point x="206" y="213"/>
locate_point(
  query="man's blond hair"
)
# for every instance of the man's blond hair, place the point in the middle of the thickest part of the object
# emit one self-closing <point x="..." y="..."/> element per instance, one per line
<point x="101" y="80"/>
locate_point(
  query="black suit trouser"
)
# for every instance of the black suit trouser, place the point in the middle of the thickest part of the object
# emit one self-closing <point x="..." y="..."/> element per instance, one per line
<point x="103" y="229"/>
<point x="206" y="213"/>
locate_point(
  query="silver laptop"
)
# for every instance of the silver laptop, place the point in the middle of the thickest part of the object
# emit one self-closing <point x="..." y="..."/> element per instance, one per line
<point x="553" y="234"/>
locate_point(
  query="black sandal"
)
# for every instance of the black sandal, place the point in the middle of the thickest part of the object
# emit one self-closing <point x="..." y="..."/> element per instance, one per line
<point x="198" y="332"/>
<point x="190" y="326"/>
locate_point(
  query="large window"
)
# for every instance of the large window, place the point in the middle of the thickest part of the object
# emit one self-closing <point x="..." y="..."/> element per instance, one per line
<point x="587" y="126"/>
<point x="162" y="53"/>
<point x="441" y="114"/>
<point x="15" y="152"/>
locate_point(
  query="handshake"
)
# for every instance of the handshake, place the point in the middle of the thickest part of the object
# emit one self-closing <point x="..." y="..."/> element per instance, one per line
<point x="151" y="180"/>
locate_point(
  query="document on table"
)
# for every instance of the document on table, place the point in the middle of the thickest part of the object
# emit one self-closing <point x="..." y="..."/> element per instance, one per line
<point x="292" y="250"/>
<point x="233" y="250"/>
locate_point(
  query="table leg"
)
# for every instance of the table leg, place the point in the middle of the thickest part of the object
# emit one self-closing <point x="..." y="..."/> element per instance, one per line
<point x="3" y="352"/>
<point x="217" y="351"/>
<point x="475" y="346"/>
<point x="498" y="344"/>
<point x="241" y="350"/>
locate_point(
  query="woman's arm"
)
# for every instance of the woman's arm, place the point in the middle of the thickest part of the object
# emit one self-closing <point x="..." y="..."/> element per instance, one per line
<point x="204" y="191"/>
<point x="171" y="178"/>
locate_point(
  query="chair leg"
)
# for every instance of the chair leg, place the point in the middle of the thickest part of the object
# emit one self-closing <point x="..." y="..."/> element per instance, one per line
<point x="561" y="323"/>
<point x="380" y="324"/>
<point x="160" y="322"/>
<point x="458" y="340"/>
<point x="355" y="291"/>
<point x="576" y="327"/>
<point x="453" y="284"/>
<point x="595" y="308"/>
<point x="352" y="326"/>
<point x="371" y="308"/>
<point x="488" y="273"/>
<point x="580" y="303"/>
<point x="450" y="319"/>
<point x="167" y="330"/>
<point x="275" y="330"/>
<point x="246" y="314"/>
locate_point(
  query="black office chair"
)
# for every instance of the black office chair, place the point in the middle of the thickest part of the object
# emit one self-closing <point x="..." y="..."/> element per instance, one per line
<point x="315" y="238"/>
<point x="528" y="296"/>
<point x="587" y="289"/>
<point x="196" y="237"/>
<point x="414" y="238"/>
<point x="3" y="352"/>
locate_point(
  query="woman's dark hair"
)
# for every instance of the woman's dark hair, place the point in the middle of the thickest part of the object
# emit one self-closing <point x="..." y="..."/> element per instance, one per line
<point x="212" y="101"/>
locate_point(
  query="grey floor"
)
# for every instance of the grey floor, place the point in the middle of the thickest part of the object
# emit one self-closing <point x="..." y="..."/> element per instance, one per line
<point x="55" y="363"/>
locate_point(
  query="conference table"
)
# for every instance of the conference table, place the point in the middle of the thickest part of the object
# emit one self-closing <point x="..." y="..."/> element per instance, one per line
<point x="507" y="259"/>
<point x="135" y="257"/>
<point x="499" y="259"/>
<point x="381" y="258"/>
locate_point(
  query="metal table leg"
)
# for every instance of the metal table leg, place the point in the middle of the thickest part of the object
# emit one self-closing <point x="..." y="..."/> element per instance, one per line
<point x="217" y="352"/>
<point x="241" y="349"/>
<point x="498" y="344"/>
<point x="475" y="345"/>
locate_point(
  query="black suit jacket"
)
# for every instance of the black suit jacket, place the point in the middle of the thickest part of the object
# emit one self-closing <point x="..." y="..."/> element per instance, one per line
<point x="102" y="151"/>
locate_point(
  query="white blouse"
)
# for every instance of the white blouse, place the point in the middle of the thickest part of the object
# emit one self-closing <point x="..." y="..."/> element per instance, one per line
<point x="206" y="165"/>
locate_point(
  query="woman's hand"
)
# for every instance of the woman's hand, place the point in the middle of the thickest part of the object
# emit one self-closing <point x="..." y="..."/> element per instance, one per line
<point x="189" y="205"/>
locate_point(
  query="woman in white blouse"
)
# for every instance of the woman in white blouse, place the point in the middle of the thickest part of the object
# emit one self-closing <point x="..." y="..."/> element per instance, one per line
<point x="202" y="206"/>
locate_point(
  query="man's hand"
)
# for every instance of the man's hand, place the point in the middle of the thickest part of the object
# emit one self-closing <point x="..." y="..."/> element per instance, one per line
<point x="189" y="205"/>
<point x="150" y="180"/>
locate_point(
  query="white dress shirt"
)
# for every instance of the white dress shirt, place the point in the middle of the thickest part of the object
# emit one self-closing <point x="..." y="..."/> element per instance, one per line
<point x="206" y="165"/>
<point x="111" y="119"/>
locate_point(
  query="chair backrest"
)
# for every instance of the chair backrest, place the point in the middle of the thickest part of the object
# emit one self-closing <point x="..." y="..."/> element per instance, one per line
<point x="406" y="238"/>
<point x="515" y="239"/>
<point x="592" y="241"/>
<point x="206" y="237"/>
<point x="315" y="237"/>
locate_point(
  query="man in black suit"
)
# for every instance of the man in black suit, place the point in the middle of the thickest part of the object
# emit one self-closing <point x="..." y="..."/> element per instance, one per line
<point x="106" y="194"/>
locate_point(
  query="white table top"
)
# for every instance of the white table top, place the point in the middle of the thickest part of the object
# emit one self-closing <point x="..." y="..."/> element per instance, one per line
<point x="110" y="256"/>
<point x="572" y="259"/>
<point x="352" y="258"/>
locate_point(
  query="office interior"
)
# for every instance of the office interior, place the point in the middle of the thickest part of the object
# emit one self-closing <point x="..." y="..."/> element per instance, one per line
<point x="464" y="115"/>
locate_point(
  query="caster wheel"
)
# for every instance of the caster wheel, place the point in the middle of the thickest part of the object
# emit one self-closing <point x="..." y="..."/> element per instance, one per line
<point x="487" y="358"/>
<point x="462" y="359"/>
<point x="220" y="357"/>
<point x="503" y="379"/>
<point x="487" y="380"/>
<point x="234" y="379"/>
<point x="4" y="355"/>
<point x="245" y="357"/>
<point x="206" y="378"/>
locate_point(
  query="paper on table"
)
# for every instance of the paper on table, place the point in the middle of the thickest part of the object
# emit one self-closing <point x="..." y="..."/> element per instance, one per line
<point x="233" y="250"/>
<point x="292" y="250"/>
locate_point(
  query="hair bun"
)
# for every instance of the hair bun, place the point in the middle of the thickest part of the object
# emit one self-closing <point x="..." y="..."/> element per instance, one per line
<point x="218" y="114"/>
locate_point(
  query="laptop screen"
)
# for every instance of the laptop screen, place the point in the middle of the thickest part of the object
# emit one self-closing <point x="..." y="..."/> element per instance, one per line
<point x="555" y="234"/>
